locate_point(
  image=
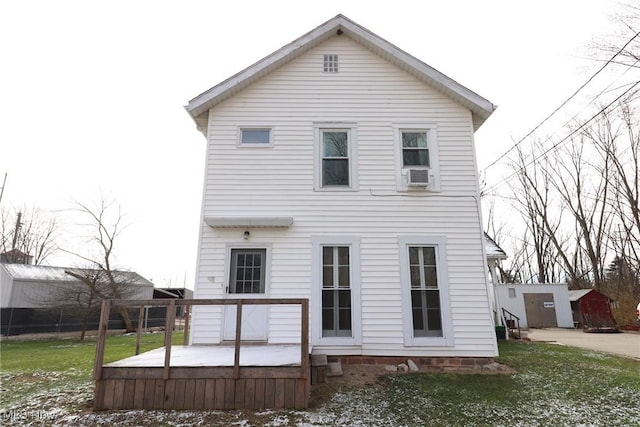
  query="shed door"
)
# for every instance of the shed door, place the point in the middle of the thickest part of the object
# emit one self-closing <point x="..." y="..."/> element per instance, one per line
<point x="540" y="310"/>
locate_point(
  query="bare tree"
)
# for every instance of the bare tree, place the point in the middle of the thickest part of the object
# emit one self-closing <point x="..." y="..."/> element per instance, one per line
<point x="101" y="279"/>
<point x="583" y="183"/>
<point x="29" y="231"/>
<point x="618" y="137"/>
<point x="542" y="243"/>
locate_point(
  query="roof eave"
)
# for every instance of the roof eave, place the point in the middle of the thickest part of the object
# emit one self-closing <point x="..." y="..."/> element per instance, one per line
<point x="480" y="107"/>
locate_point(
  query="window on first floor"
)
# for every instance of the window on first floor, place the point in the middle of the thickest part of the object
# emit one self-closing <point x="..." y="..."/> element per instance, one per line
<point x="425" y="291"/>
<point x="425" y="295"/>
<point x="336" y="292"/>
<point x="336" y="312"/>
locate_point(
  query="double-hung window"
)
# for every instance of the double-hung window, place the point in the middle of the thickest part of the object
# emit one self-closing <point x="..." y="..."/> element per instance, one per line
<point x="335" y="158"/>
<point x="415" y="149"/>
<point x="417" y="162"/>
<point x="425" y="291"/>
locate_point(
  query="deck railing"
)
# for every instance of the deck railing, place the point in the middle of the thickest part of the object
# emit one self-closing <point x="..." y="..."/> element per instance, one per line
<point x="171" y="305"/>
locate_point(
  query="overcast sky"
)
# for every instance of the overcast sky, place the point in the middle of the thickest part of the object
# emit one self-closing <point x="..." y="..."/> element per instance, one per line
<point x="92" y="92"/>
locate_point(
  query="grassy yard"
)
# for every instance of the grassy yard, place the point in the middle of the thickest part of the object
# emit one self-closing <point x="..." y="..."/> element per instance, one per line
<point x="49" y="383"/>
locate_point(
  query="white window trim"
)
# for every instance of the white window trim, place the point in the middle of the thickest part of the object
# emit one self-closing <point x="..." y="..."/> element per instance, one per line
<point x="351" y="130"/>
<point x="440" y="243"/>
<point x="240" y="144"/>
<point x="267" y="271"/>
<point x="434" y="158"/>
<point x="317" y="243"/>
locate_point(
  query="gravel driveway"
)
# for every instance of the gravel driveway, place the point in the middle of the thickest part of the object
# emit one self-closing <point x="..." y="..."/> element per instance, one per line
<point x="626" y="343"/>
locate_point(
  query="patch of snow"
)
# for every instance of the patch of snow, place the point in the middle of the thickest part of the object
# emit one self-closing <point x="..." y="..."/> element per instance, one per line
<point x="209" y="355"/>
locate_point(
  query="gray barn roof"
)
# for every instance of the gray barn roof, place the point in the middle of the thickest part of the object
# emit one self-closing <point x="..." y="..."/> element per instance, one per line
<point x="39" y="273"/>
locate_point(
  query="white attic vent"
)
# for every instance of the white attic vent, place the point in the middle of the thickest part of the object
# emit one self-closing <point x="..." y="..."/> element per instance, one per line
<point x="331" y="63"/>
<point x="418" y="177"/>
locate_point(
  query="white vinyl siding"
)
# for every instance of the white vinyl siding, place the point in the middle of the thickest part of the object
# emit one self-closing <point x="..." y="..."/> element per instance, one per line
<point x="373" y="98"/>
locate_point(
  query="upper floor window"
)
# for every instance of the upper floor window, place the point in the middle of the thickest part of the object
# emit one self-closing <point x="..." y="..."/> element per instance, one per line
<point x="335" y="157"/>
<point x="415" y="149"/>
<point x="256" y="137"/>
<point x="417" y="163"/>
<point x="330" y="63"/>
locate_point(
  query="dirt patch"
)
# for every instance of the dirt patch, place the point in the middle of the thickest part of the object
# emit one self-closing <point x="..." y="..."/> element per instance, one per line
<point x="353" y="376"/>
<point x="360" y="376"/>
<point x="27" y="378"/>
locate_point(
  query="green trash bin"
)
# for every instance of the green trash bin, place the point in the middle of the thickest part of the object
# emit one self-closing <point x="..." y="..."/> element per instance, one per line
<point x="501" y="332"/>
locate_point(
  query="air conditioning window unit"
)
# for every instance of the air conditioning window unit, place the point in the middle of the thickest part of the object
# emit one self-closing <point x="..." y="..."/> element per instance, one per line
<point x="418" y="177"/>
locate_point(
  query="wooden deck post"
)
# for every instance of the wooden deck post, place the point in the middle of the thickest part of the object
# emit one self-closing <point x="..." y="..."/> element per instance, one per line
<point x="139" y="331"/>
<point x="187" y="317"/>
<point x="102" y="338"/>
<point x="304" y="357"/>
<point x="236" y="358"/>
<point x="168" y="336"/>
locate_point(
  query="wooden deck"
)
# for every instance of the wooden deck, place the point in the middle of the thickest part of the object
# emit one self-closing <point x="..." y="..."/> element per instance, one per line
<point x="205" y="377"/>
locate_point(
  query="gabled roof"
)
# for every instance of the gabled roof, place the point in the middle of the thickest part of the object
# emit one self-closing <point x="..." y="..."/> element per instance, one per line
<point x="577" y="294"/>
<point x="492" y="249"/>
<point x="480" y="107"/>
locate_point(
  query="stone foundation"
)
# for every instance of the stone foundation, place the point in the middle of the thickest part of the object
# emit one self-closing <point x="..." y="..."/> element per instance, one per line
<point x="429" y="364"/>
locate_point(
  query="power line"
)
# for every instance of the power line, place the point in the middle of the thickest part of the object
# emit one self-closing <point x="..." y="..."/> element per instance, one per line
<point x="556" y="145"/>
<point x="593" y="99"/>
<point x="503" y="155"/>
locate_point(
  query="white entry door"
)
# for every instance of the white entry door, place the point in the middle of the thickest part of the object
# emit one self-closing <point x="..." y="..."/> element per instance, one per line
<point x="247" y="279"/>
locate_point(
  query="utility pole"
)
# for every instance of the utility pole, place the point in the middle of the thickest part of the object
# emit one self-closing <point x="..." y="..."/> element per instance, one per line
<point x="3" y="184"/>
<point x="17" y="231"/>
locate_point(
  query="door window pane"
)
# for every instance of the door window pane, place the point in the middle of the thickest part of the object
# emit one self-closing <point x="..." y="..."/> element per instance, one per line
<point x="247" y="271"/>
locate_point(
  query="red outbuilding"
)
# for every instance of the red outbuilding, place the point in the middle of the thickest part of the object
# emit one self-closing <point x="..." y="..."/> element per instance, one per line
<point x="592" y="311"/>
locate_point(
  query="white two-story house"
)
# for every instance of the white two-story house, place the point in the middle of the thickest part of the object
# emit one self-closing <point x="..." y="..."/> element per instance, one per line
<point x="342" y="169"/>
